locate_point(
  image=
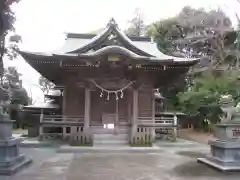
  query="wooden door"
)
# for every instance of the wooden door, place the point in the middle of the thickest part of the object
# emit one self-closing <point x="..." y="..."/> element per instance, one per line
<point x="109" y="111"/>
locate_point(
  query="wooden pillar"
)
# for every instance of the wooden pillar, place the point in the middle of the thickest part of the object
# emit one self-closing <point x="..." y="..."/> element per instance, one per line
<point x="117" y="118"/>
<point x="153" y="115"/>
<point x="135" y="112"/>
<point x="41" y="125"/>
<point x="64" y="101"/>
<point x="87" y="108"/>
<point x="129" y="107"/>
<point x="153" y="108"/>
<point x="64" y="128"/>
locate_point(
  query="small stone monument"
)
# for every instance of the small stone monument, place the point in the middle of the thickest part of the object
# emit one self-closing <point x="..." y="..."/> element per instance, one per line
<point x="10" y="158"/>
<point x="225" y="152"/>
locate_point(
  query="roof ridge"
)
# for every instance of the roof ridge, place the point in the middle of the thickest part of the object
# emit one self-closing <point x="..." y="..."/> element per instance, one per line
<point x="91" y="35"/>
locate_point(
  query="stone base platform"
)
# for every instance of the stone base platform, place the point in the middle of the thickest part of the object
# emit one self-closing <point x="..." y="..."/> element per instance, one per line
<point x="108" y="149"/>
<point x="224" y="155"/>
<point x="12" y="168"/>
<point x="218" y="166"/>
<point x="11" y="160"/>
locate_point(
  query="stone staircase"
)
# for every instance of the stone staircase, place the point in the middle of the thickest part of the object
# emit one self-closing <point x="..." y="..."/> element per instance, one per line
<point x="110" y="140"/>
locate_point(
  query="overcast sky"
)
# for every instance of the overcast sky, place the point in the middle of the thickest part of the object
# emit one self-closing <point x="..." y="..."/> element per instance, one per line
<point x="41" y="23"/>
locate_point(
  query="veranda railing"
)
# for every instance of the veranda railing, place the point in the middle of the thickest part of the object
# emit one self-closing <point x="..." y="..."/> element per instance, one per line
<point x="72" y="128"/>
<point x="147" y="127"/>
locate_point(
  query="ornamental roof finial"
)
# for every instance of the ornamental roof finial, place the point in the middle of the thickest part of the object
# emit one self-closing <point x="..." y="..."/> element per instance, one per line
<point x="112" y="22"/>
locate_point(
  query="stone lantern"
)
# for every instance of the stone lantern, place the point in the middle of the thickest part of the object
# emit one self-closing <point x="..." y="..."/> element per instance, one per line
<point x="225" y="151"/>
<point x="10" y="158"/>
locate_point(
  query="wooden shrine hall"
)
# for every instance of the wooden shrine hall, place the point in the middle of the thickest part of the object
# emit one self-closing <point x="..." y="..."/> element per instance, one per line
<point x="107" y="84"/>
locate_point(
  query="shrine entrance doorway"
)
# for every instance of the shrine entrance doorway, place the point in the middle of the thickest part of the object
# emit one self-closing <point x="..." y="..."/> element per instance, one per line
<point x="110" y="115"/>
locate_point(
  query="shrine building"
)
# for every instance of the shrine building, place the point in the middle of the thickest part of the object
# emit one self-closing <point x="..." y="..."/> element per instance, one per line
<point x="107" y="84"/>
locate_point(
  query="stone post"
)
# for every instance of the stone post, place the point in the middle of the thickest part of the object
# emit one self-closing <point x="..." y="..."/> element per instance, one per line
<point x="175" y="123"/>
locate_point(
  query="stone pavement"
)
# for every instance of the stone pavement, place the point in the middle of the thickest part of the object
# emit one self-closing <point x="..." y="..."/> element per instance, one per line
<point x="175" y="161"/>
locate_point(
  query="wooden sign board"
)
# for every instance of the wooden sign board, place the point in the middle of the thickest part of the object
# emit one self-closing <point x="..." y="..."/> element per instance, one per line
<point x="113" y="58"/>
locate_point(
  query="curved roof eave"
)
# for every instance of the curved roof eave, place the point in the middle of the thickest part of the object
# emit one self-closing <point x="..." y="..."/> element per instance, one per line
<point x="115" y="49"/>
<point x="28" y="56"/>
<point x="31" y="57"/>
<point x="25" y="54"/>
<point x="108" y="50"/>
<point x="126" y="52"/>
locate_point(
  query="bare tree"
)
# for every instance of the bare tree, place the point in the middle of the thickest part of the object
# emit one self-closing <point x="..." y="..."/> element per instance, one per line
<point x="45" y="84"/>
<point x="7" y="18"/>
<point x="137" y="26"/>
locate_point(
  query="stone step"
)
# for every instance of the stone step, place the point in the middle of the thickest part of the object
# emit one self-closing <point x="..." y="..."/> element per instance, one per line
<point x="110" y="142"/>
<point x="110" y="136"/>
<point x="110" y="145"/>
<point x="108" y="131"/>
<point x="110" y="139"/>
<point x="101" y="130"/>
<point x="113" y="141"/>
<point x="109" y="149"/>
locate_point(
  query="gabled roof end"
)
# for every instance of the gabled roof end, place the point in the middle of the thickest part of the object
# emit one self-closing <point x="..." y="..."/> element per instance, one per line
<point x="112" y="23"/>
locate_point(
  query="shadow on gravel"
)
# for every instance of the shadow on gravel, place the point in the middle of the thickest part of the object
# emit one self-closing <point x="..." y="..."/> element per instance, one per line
<point x="191" y="154"/>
